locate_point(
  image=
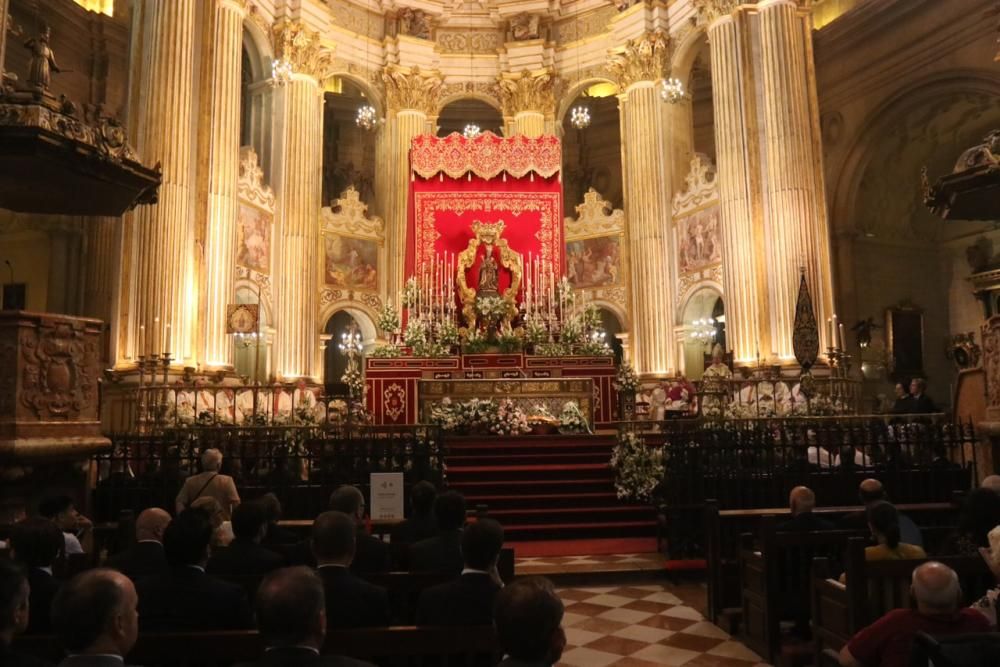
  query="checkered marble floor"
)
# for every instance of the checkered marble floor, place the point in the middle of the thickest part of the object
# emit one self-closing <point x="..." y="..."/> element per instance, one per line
<point x="602" y="563"/>
<point x="643" y="626"/>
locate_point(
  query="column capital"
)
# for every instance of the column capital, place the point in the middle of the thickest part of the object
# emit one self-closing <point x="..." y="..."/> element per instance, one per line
<point x="412" y="88"/>
<point x="527" y="91"/>
<point x="240" y="6"/>
<point x="645" y="58"/>
<point x="300" y="46"/>
<point x="710" y="10"/>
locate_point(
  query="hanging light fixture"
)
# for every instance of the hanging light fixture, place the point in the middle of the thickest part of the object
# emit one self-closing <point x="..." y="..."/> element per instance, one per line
<point x="579" y="116"/>
<point x="672" y="90"/>
<point x="367" y="117"/>
<point x="281" y="71"/>
<point x="471" y="131"/>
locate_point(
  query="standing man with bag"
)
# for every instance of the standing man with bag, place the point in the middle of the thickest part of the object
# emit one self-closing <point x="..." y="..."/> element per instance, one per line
<point x="209" y="483"/>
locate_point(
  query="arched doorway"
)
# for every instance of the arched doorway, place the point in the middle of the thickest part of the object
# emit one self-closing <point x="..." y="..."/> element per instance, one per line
<point x="612" y="327"/>
<point x="457" y="114"/>
<point x="592" y="155"/>
<point x="704" y="327"/>
<point x="335" y="361"/>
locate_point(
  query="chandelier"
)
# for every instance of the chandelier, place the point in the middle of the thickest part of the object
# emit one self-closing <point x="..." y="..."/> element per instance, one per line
<point x="281" y="71"/>
<point x="471" y="131"/>
<point x="704" y="330"/>
<point x="579" y="116"/>
<point x="672" y="90"/>
<point x="366" y="118"/>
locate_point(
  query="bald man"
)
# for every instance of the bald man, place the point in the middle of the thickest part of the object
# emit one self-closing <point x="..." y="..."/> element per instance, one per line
<point x="871" y="491"/>
<point x="146" y="556"/>
<point x="887" y="641"/>
<point x="802" y="501"/>
<point x="992" y="482"/>
<point x="96" y="617"/>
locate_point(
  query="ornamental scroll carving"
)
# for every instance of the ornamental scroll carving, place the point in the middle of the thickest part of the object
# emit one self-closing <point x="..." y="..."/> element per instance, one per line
<point x="301" y="47"/>
<point x="412" y="88"/>
<point x="347" y="215"/>
<point x="250" y="184"/>
<point x="59" y="369"/>
<point x="709" y="10"/>
<point x="645" y="58"/>
<point x="991" y="365"/>
<point x="594" y="217"/>
<point x="527" y="91"/>
<point x="701" y="186"/>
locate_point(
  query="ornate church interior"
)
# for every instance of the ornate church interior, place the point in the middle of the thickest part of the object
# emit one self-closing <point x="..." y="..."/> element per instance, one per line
<point x="675" y="321"/>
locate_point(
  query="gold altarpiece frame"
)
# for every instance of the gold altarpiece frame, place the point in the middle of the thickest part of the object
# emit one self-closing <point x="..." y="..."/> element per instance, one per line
<point x="488" y="234"/>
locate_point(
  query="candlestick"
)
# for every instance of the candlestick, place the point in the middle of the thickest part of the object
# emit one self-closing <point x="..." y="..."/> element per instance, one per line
<point x="843" y="346"/>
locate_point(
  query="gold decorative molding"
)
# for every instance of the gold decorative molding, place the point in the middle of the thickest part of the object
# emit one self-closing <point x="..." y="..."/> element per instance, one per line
<point x="412" y="88"/>
<point x="701" y="186"/>
<point x="250" y="184"/>
<point x="709" y="10"/>
<point x="645" y="58"/>
<point x="466" y="41"/>
<point x="348" y="216"/>
<point x="527" y="91"/>
<point x="300" y="46"/>
<point x="594" y="217"/>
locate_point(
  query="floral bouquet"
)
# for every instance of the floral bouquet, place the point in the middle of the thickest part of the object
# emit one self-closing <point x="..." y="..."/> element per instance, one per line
<point x="508" y="341"/>
<point x="410" y="291"/>
<point x="509" y="419"/>
<point x="388" y="319"/>
<point x="491" y="308"/>
<point x="638" y="468"/>
<point x="355" y="382"/>
<point x="571" y="419"/>
<point x="304" y="415"/>
<point x="534" y="330"/>
<point x="417" y="333"/>
<point x="475" y="341"/>
<point x="626" y="380"/>
<point x="387" y="351"/>
<point x="542" y="421"/>
<point x="447" y="333"/>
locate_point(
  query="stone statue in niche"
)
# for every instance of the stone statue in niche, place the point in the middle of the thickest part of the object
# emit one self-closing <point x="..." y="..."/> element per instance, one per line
<point x="43" y="60"/>
<point x="488" y="284"/>
<point x="415" y="23"/>
<point x="524" y="26"/>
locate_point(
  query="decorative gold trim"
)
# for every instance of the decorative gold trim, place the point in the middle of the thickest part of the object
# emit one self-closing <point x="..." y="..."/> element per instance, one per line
<point x="488" y="234"/>
<point x="486" y="156"/>
<point x="595" y="217"/>
<point x="646" y="58"/>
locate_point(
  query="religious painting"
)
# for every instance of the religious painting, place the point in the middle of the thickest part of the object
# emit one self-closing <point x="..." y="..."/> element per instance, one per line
<point x="253" y="238"/>
<point x="698" y="242"/>
<point x="593" y="262"/>
<point x="351" y="263"/>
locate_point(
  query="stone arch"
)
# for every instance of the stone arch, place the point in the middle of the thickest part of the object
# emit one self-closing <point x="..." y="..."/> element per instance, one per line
<point x="569" y="95"/>
<point x="469" y="95"/>
<point x="688" y="300"/>
<point x="686" y="52"/>
<point x="257" y="43"/>
<point x="372" y="93"/>
<point x="365" y="320"/>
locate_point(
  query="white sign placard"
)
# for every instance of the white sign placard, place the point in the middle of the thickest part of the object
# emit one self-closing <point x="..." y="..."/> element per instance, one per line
<point x="387" y="495"/>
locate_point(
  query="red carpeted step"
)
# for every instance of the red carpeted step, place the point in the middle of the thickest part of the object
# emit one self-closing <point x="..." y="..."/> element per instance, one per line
<point x="516" y="473"/>
<point x="555" y="515"/>
<point x="499" y="487"/>
<point x="496" y="458"/>
<point x="578" y="530"/>
<point x="514" y="500"/>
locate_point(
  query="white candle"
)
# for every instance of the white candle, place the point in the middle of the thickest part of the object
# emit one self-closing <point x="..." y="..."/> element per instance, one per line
<point x="155" y="343"/>
<point x="167" y="351"/>
<point x="843" y="345"/>
<point x="142" y="340"/>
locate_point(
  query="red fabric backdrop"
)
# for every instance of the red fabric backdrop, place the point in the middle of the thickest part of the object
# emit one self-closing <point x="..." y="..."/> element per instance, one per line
<point x="441" y="211"/>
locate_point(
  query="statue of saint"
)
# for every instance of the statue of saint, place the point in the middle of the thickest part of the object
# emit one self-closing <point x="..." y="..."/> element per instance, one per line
<point x="488" y="285"/>
<point x="43" y="61"/>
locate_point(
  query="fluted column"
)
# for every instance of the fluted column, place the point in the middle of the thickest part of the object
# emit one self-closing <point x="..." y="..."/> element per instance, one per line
<point x="4" y="6"/>
<point x="796" y="226"/>
<point x="411" y="97"/>
<point x="223" y="171"/>
<point x="647" y="176"/>
<point x="102" y="250"/>
<point x="743" y="275"/>
<point x="528" y="102"/>
<point x="299" y="126"/>
<point x="162" y="294"/>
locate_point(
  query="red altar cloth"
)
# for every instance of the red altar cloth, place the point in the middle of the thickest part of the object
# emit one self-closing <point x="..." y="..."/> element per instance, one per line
<point x="455" y="181"/>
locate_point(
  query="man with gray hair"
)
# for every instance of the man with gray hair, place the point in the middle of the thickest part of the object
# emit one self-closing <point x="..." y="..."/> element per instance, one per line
<point x="211" y="484"/>
<point x="887" y="641"/>
<point x="992" y="482"/>
<point x="802" y="501"/>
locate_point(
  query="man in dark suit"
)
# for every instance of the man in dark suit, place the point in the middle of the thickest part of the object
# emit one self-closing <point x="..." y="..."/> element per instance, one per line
<point x="36" y="543"/>
<point x="529" y="617"/>
<point x="185" y="598"/>
<point x="145" y="558"/>
<point x="442" y="553"/>
<point x="352" y="602"/>
<point x="276" y="536"/>
<point x="245" y="556"/>
<point x="920" y="403"/>
<point x="372" y="554"/>
<point x="96" y="617"/>
<point x="420" y="525"/>
<point x="802" y="501"/>
<point x="870" y="492"/>
<point x="469" y="599"/>
<point x="14" y="593"/>
<point x="291" y="616"/>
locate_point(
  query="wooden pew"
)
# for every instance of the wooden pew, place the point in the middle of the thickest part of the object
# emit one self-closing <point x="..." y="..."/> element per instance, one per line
<point x="406" y="645"/>
<point x="873" y="589"/>
<point x="722" y="530"/>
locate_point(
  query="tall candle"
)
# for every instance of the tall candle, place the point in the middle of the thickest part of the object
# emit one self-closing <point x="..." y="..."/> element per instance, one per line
<point x="155" y="343"/>
<point x="167" y="349"/>
<point x="142" y="340"/>
<point x="843" y="345"/>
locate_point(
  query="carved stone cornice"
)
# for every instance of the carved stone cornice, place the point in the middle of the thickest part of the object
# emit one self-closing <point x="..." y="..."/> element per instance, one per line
<point x="300" y="46"/>
<point x="412" y="88"/>
<point x="348" y="215"/>
<point x="594" y="217"/>
<point x="709" y="10"/>
<point x="527" y="91"/>
<point x="701" y="186"/>
<point x="250" y="184"/>
<point x="645" y="58"/>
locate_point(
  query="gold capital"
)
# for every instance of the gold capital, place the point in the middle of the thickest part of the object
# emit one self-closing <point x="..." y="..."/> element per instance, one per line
<point x="527" y="91"/>
<point x="412" y="88"/>
<point x="300" y="46"/>
<point x="645" y="58"/>
<point x="709" y="10"/>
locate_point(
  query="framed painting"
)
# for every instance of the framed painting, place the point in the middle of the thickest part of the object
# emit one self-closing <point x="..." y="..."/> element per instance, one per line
<point x="351" y="263"/>
<point x="253" y="238"/>
<point x="698" y="243"/>
<point x="594" y="262"/>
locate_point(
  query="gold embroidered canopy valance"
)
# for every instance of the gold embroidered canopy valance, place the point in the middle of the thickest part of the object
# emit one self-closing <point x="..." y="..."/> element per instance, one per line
<point x="486" y="155"/>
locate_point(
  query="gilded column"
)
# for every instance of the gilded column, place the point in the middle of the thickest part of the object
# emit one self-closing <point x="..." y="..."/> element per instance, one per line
<point x="299" y="127"/>
<point x="162" y="295"/>
<point x="223" y="171"/>
<point x="796" y="226"/>
<point x="411" y="95"/>
<point x="528" y="102"/>
<point x="743" y="274"/>
<point x="102" y="250"/>
<point x="647" y="194"/>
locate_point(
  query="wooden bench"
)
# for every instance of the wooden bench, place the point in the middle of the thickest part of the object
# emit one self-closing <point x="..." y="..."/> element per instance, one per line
<point x="406" y="645"/>
<point x="874" y="588"/>
<point x="722" y="530"/>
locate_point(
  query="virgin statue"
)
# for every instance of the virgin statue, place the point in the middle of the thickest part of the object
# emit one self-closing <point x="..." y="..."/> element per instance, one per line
<point x="487" y="275"/>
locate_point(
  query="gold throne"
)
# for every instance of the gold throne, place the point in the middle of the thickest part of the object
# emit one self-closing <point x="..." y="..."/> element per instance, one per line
<point x="488" y="234"/>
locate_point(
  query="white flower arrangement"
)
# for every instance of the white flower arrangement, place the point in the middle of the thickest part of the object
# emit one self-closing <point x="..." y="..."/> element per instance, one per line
<point x="626" y="380"/>
<point x="534" y="330"/>
<point x="410" y="291"/>
<point x="388" y="318"/>
<point x="481" y="415"/>
<point x="355" y="382"/>
<point x="447" y="333"/>
<point x="491" y="308"/>
<point x="417" y="333"/>
<point x="639" y="469"/>
<point x="571" y="419"/>
<point x="387" y="351"/>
